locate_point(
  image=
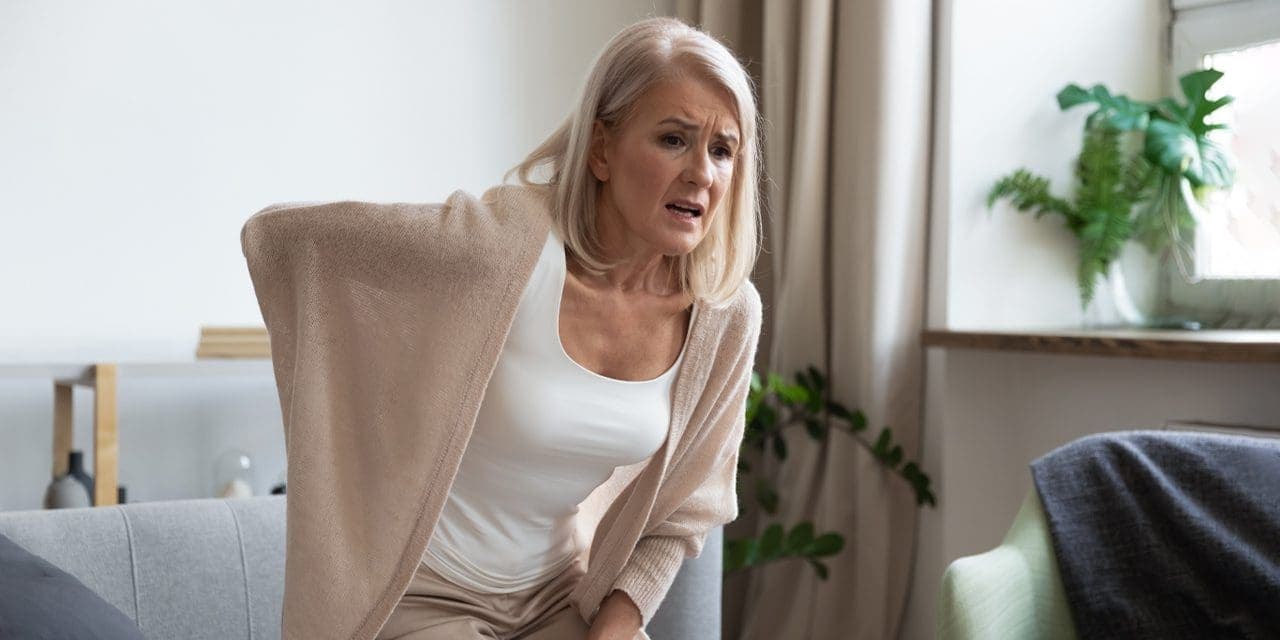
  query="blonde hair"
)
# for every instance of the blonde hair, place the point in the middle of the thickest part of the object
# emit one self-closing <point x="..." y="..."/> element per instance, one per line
<point x="635" y="59"/>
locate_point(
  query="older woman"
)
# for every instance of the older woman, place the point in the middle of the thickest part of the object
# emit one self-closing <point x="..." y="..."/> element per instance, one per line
<point x="514" y="417"/>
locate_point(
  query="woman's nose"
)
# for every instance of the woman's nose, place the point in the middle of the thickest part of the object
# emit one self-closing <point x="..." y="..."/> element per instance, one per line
<point x="699" y="170"/>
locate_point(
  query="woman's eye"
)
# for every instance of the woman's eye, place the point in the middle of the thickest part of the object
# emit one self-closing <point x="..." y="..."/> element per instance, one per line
<point x="723" y="153"/>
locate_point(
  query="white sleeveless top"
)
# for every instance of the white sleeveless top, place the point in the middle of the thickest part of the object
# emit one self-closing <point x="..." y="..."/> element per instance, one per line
<point x="548" y="433"/>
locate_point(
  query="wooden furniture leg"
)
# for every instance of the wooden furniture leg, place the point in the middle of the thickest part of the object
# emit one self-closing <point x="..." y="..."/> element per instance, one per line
<point x="106" y="448"/>
<point x="62" y="426"/>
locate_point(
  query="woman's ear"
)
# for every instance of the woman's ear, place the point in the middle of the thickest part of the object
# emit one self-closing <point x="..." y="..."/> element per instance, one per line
<point x="596" y="157"/>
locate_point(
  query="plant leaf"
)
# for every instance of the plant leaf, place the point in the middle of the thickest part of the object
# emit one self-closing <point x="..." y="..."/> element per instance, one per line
<point x="793" y="393"/>
<point x="814" y="427"/>
<point x="1174" y="147"/>
<point x="1194" y="86"/>
<point x="819" y="381"/>
<point x="768" y="416"/>
<point x="779" y="446"/>
<point x="1115" y="112"/>
<point x="894" y="457"/>
<point x="735" y="554"/>
<point x="771" y="541"/>
<point x="1072" y="95"/>
<point x="825" y="545"/>
<point x="1027" y="192"/>
<point x="800" y="537"/>
<point x="859" y="420"/>
<point x="766" y="495"/>
<point x="1216" y="168"/>
<point x="1104" y="201"/>
<point x="881" y="447"/>
<point x="820" y="568"/>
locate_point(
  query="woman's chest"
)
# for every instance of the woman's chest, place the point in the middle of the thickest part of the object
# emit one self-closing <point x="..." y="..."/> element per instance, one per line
<point x="624" y="341"/>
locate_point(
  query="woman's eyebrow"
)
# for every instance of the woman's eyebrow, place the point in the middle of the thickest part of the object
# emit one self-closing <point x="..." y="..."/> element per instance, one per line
<point x="685" y="124"/>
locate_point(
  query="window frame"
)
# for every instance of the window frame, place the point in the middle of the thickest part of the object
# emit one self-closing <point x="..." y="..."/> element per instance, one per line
<point x="1198" y="28"/>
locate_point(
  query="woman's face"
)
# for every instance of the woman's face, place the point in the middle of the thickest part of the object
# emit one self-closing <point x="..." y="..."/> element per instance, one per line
<point x="678" y="149"/>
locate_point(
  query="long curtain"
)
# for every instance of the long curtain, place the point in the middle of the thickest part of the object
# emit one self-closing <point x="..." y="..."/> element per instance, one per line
<point x="845" y="89"/>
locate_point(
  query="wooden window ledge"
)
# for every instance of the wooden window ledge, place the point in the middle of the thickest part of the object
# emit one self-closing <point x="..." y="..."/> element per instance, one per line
<point x="1218" y="345"/>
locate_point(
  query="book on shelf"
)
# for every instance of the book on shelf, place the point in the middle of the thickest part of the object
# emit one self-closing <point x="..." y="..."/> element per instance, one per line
<point x="233" y="342"/>
<point x="233" y="331"/>
<point x="224" y="351"/>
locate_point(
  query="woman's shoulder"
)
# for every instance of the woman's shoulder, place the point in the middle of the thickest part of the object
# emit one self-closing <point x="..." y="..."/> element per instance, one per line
<point x="502" y="204"/>
<point x="744" y="308"/>
<point x="734" y="323"/>
<point x="749" y="300"/>
<point x="749" y="311"/>
<point x="461" y="216"/>
<point x="463" y="235"/>
<point x="339" y="228"/>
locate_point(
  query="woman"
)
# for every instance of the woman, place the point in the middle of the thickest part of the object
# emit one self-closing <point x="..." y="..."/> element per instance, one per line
<point x="587" y="341"/>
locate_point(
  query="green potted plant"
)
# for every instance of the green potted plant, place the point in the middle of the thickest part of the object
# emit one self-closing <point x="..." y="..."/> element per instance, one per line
<point x="774" y="405"/>
<point x="1144" y="172"/>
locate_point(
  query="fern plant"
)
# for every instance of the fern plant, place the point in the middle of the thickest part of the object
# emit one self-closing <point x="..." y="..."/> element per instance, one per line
<point x="774" y="405"/>
<point x="1109" y="185"/>
<point x="1122" y="195"/>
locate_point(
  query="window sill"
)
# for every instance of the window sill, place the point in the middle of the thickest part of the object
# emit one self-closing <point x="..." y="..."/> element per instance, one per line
<point x="1222" y="345"/>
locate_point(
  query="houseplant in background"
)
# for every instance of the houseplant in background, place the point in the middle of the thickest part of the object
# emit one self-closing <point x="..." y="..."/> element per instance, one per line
<point x="774" y="405"/>
<point x="1144" y="172"/>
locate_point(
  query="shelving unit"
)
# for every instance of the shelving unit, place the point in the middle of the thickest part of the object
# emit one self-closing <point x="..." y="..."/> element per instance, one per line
<point x="103" y="378"/>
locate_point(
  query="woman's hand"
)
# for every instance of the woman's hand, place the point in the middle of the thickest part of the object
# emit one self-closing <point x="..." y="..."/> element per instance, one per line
<point x="618" y="619"/>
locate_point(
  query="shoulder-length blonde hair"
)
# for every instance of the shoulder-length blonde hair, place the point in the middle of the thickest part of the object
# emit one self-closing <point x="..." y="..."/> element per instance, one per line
<point x="637" y="57"/>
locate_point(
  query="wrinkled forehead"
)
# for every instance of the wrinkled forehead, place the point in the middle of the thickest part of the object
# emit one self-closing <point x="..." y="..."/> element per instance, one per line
<point x="689" y="101"/>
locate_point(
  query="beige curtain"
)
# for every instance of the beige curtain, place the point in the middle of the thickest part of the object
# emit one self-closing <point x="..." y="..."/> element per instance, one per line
<point x="846" y="91"/>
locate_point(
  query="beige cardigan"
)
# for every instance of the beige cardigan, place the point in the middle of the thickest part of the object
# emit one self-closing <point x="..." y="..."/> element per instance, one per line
<point x="386" y="322"/>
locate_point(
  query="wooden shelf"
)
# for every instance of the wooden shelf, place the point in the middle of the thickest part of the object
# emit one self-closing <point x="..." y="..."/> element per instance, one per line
<point x="1222" y="345"/>
<point x="103" y="378"/>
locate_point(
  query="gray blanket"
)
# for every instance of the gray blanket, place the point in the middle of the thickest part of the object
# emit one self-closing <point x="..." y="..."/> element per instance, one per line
<point x="1166" y="535"/>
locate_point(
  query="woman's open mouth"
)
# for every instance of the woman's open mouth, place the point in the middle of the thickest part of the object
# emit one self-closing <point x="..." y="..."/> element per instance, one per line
<point x="685" y="213"/>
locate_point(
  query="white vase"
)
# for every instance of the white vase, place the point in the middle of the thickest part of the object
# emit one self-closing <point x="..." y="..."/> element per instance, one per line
<point x="1121" y="298"/>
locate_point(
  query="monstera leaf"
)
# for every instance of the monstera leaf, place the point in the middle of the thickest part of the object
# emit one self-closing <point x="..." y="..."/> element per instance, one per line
<point x="1115" y="112"/>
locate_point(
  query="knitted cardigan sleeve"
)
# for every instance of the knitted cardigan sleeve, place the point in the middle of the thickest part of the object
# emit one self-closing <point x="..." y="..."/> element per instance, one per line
<point x="709" y="468"/>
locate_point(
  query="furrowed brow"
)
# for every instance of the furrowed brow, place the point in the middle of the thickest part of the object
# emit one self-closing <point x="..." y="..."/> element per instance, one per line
<point x="689" y="126"/>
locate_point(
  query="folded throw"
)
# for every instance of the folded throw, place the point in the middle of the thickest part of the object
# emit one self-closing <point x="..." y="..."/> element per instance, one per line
<point x="1166" y="535"/>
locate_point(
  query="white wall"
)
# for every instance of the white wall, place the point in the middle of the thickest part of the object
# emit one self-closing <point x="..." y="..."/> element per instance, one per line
<point x="136" y="137"/>
<point x="989" y="414"/>
<point x="1008" y="60"/>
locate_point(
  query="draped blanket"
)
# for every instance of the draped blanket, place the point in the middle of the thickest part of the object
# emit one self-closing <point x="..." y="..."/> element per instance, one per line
<point x="1166" y="534"/>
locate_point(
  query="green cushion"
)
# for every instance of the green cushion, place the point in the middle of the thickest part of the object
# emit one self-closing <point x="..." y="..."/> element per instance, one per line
<point x="1012" y="591"/>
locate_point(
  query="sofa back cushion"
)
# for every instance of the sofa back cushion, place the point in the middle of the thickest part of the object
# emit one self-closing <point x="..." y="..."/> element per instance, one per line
<point x="39" y="600"/>
<point x="179" y="569"/>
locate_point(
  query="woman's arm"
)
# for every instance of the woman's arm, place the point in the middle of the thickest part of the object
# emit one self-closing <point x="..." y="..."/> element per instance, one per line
<point x="707" y="473"/>
<point x="618" y="619"/>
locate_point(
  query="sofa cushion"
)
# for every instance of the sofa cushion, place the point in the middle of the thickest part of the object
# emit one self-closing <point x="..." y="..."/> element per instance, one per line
<point x="43" y="602"/>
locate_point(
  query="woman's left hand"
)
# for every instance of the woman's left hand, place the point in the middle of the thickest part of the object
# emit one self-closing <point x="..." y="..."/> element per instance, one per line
<point x="618" y="619"/>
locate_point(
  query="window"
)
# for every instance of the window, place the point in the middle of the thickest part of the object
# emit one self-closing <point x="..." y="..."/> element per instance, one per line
<point x="1237" y="250"/>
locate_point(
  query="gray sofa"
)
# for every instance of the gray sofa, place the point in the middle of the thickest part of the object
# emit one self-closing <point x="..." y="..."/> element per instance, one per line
<point x="214" y="568"/>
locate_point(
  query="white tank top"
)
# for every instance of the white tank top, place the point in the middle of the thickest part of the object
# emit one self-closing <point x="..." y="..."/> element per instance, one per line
<point x="549" y="432"/>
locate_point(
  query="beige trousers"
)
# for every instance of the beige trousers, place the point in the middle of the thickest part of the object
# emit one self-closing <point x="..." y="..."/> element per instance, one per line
<point x="433" y="608"/>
